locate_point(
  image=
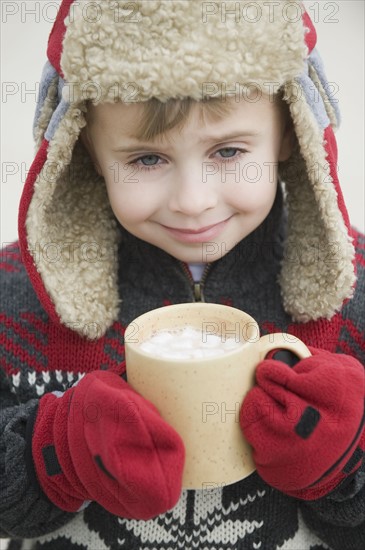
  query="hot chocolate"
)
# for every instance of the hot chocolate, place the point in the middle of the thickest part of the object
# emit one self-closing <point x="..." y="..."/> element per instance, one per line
<point x="188" y="343"/>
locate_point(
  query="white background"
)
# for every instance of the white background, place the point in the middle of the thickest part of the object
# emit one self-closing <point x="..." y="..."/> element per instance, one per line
<point x="340" y="27"/>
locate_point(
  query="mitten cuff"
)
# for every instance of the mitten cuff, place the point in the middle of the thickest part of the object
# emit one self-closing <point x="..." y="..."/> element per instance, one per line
<point x="344" y="468"/>
<point x="50" y="453"/>
<point x="28" y="455"/>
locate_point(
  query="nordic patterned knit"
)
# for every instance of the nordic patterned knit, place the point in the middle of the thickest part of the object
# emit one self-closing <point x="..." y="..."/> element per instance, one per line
<point x="37" y="356"/>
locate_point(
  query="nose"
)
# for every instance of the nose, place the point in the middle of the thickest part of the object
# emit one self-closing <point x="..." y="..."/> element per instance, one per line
<point x="191" y="195"/>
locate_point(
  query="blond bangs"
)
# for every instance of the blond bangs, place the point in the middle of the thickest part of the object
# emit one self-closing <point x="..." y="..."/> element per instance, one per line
<point x="158" y="118"/>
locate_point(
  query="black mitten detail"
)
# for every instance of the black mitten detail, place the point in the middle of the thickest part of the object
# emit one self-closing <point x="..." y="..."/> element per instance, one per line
<point x="51" y="461"/>
<point x="307" y="422"/>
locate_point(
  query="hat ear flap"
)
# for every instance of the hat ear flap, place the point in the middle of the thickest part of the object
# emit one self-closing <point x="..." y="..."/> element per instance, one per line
<point x="72" y="235"/>
<point x="66" y="225"/>
<point x="317" y="271"/>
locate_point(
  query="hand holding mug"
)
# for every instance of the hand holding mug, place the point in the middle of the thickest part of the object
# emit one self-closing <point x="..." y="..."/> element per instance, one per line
<point x="306" y="423"/>
<point x="201" y="397"/>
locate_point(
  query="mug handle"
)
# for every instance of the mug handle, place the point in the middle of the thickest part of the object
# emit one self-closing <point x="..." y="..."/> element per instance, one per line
<point x="282" y="340"/>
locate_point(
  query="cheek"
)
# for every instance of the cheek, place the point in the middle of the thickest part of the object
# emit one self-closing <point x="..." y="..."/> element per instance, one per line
<point x="256" y="188"/>
<point x="130" y="200"/>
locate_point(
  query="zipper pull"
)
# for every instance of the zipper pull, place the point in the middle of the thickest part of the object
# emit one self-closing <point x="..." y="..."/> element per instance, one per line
<point x="197" y="287"/>
<point x="198" y="292"/>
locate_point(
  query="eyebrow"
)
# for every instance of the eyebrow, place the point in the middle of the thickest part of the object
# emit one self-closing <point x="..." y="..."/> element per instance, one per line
<point x="208" y="139"/>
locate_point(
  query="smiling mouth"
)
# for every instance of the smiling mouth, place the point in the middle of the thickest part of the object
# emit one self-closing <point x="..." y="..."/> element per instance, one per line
<point x="197" y="235"/>
<point x="194" y="231"/>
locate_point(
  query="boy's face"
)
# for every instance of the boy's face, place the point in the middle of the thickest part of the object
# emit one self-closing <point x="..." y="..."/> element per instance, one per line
<point x="221" y="174"/>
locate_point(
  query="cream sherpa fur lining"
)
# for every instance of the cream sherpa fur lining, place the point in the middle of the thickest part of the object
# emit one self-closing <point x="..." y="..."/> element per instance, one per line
<point x="73" y="235"/>
<point x="178" y="48"/>
<point x="71" y="229"/>
<point x="317" y="273"/>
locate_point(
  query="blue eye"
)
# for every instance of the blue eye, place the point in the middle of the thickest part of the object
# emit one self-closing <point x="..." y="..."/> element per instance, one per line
<point x="148" y="157"/>
<point x="229" y="149"/>
<point x="146" y="166"/>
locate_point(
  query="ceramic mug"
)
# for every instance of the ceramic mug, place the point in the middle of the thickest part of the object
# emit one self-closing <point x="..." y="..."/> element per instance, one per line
<point x="201" y="398"/>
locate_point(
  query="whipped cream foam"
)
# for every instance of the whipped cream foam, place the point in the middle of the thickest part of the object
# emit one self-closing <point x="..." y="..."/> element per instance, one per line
<point x="188" y="343"/>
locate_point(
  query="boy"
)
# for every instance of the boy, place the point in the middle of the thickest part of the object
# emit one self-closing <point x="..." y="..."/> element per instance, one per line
<point x="152" y="185"/>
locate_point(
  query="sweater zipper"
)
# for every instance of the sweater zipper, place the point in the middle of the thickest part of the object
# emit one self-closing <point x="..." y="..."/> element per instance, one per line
<point x="197" y="287"/>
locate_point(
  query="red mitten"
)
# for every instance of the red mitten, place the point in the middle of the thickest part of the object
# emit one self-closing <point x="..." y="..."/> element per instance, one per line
<point x="306" y="423"/>
<point x="101" y="441"/>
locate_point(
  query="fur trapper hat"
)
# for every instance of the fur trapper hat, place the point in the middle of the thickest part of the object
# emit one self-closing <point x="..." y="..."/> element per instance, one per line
<point x="172" y="49"/>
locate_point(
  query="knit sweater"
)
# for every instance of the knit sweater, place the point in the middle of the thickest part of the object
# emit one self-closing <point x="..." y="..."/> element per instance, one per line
<point x="38" y="356"/>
